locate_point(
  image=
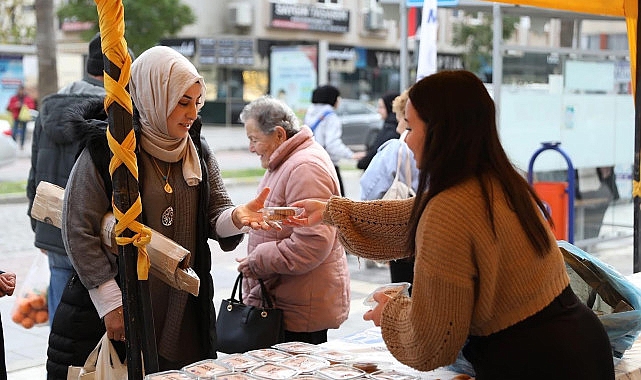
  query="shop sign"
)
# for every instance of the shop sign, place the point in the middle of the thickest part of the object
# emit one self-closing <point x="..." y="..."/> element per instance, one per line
<point x="309" y="17"/>
<point x="185" y="46"/>
<point x="226" y="51"/>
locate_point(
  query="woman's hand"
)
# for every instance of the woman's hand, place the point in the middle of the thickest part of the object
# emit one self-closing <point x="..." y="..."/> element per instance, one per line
<point x="244" y="268"/>
<point x="374" y="315"/>
<point x="312" y="213"/>
<point x="249" y="214"/>
<point x="115" y="324"/>
<point x="7" y="283"/>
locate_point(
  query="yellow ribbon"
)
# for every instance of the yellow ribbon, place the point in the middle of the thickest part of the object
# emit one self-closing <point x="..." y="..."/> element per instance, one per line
<point x="114" y="47"/>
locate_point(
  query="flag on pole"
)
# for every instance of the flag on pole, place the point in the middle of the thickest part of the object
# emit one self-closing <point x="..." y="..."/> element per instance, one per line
<point x="427" y="46"/>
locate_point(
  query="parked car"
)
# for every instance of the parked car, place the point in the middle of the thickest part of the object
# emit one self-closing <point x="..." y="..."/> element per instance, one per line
<point x="361" y="123"/>
<point x="8" y="147"/>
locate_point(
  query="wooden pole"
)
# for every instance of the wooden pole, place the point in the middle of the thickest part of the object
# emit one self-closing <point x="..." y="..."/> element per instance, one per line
<point x="139" y="326"/>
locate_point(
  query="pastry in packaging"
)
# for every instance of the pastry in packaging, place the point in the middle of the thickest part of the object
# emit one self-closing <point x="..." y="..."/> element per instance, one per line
<point x="235" y="376"/>
<point x="390" y="374"/>
<point x="273" y="371"/>
<point x="269" y="355"/>
<point x="208" y="369"/>
<point x="240" y="362"/>
<point x="280" y="213"/>
<point x="334" y="356"/>
<point x="170" y="375"/>
<point x="390" y="289"/>
<point x="341" y="372"/>
<point x="297" y="347"/>
<point x="368" y="367"/>
<point x="305" y="363"/>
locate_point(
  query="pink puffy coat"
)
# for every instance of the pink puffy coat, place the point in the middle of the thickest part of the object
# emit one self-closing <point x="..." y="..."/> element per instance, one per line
<point x="304" y="269"/>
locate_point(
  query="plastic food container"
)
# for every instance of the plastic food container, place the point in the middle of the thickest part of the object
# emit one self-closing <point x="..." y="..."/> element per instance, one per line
<point x="306" y="363"/>
<point x="170" y="375"/>
<point x="235" y="376"/>
<point x="390" y="374"/>
<point x="297" y="347"/>
<point x="269" y="355"/>
<point x="341" y="372"/>
<point x="390" y="289"/>
<point x="240" y="362"/>
<point x="334" y="356"/>
<point x="208" y="369"/>
<point x="280" y="213"/>
<point x="274" y="371"/>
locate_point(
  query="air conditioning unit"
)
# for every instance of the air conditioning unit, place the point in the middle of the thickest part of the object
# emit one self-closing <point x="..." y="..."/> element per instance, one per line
<point x="240" y="14"/>
<point x="374" y="19"/>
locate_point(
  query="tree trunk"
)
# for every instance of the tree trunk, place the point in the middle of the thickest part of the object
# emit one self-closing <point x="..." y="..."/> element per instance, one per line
<point x="46" y="48"/>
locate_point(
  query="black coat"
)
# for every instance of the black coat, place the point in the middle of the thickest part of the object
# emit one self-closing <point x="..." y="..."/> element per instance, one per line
<point x="54" y="151"/>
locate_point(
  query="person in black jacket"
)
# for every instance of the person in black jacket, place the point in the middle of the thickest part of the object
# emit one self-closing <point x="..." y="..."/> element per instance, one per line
<point x="53" y="153"/>
<point x="7" y="286"/>
<point x="387" y="132"/>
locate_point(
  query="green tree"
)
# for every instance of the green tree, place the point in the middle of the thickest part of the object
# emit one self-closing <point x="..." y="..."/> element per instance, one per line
<point x="14" y="29"/>
<point x="146" y="21"/>
<point x="478" y="40"/>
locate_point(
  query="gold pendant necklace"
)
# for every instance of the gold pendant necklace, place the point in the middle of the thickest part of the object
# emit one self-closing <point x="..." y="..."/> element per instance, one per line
<point x="165" y="178"/>
<point x="167" y="217"/>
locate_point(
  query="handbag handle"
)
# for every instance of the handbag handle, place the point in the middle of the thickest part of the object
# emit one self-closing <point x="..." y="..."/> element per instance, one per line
<point x="265" y="298"/>
<point x="408" y="171"/>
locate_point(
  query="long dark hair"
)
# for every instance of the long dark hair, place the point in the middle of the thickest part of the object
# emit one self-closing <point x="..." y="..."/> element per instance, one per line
<point x="461" y="142"/>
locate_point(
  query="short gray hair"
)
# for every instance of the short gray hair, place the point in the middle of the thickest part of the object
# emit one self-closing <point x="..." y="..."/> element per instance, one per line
<point x="269" y="113"/>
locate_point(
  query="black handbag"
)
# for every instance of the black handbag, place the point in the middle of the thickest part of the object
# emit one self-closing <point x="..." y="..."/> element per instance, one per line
<point x="242" y="328"/>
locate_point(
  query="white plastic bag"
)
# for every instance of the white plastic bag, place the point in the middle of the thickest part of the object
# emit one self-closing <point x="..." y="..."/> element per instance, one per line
<point x="102" y="363"/>
<point x="30" y="307"/>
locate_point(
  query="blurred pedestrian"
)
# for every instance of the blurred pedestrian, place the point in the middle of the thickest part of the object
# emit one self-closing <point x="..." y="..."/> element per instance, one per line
<point x="387" y="132"/>
<point x="20" y="115"/>
<point x="379" y="176"/>
<point x="327" y="127"/>
<point x="53" y="152"/>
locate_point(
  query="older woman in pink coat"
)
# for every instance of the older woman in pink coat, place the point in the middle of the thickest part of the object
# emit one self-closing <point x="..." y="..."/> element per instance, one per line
<point x="304" y="269"/>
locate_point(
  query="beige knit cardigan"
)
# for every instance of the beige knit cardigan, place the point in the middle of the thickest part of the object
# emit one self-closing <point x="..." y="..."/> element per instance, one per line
<point x="467" y="280"/>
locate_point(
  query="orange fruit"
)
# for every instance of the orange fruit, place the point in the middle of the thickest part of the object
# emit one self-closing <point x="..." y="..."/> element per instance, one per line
<point x="41" y="316"/>
<point x="27" y="323"/>
<point x="24" y="306"/>
<point x="37" y="302"/>
<point x="17" y="316"/>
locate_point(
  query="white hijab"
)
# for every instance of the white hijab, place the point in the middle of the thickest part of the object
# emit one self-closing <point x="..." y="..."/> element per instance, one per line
<point x="160" y="76"/>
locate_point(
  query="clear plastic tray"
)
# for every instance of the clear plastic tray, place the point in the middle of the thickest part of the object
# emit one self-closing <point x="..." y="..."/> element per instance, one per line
<point x="235" y="376"/>
<point x="390" y="374"/>
<point x="390" y="289"/>
<point x="306" y="363"/>
<point x="240" y="362"/>
<point x="170" y="375"/>
<point x="208" y="369"/>
<point x="274" y="371"/>
<point x="334" y="356"/>
<point x="297" y="347"/>
<point x="269" y="354"/>
<point x="341" y="372"/>
<point x="280" y="213"/>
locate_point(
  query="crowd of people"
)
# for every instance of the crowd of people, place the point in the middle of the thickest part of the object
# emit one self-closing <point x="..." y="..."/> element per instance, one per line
<point x="488" y="279"/>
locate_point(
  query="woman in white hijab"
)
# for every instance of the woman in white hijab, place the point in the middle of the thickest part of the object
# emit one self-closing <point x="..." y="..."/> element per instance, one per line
<point x="183" y="198"/>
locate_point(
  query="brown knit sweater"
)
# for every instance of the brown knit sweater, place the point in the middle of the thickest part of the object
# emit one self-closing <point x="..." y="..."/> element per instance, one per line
<point x="467" y="281"/>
